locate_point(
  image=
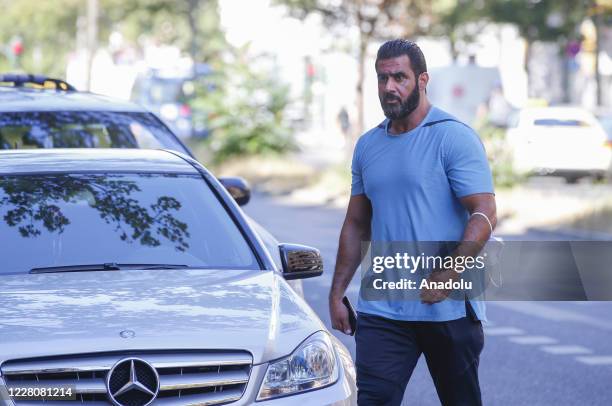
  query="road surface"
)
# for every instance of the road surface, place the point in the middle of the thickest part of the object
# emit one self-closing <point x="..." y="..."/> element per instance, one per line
<point x="536" y="353"/>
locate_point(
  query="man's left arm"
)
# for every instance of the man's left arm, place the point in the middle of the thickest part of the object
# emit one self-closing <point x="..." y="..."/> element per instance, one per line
<point x="469" y="175"/>
<point x="476" y="234"/>
<point x="478" y="229"/>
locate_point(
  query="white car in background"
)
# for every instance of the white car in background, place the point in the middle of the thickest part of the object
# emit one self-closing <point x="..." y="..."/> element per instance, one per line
<point x="560" y="141"/>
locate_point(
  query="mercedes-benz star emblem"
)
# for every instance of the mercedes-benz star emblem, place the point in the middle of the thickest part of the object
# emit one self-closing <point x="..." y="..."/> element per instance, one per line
<point x="132" y="382"/>
<point x="127" y="334"/>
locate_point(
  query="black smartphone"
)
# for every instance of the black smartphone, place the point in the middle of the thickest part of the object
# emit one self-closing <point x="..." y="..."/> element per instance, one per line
<point x="351" y="313"/>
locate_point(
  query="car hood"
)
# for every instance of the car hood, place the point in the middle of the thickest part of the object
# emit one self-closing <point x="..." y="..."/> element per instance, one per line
<point x="84" y="312"/>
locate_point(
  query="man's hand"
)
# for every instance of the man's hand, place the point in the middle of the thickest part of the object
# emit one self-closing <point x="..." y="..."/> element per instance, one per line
<point x="431" y="296"/>
<point x="339" y="316"/>
<point x="475" y="236"/>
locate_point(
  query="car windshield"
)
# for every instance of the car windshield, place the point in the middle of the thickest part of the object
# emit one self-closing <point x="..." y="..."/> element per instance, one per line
<point x="557" y="122"/>
<point x="84" y="129"/>
<point x="65" y="220"/>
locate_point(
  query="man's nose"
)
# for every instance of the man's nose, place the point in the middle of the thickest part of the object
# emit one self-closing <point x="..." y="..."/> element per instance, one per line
<point x="390" y="86"/>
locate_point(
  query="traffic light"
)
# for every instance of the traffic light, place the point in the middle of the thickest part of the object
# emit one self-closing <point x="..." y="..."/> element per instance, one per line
<point x="14" y="51"/>
<point x="17" y="48"/>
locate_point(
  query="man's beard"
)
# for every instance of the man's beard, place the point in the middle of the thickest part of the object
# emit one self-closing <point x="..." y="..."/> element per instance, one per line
<point x="401" y="110"/>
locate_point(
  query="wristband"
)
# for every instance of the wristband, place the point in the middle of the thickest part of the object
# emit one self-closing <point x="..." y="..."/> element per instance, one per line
<point x="485" y="216"/>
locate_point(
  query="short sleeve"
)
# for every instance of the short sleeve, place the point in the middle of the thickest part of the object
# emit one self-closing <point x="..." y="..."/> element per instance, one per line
<point x="465" y="162"/>
<point x="356" y="172"/>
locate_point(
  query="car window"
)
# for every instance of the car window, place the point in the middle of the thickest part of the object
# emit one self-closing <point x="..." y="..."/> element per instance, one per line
<point x="557" y="122"/>
<point x="84" y="129"/>
<point x="62" y="220"/>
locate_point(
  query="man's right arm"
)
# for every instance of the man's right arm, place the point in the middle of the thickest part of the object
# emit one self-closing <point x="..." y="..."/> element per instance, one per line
<point x="356" y="228"/>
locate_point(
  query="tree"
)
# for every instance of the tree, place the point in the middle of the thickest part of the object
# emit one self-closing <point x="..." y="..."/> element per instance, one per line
<point x="193" y="25"/>
<point x="374" y="19"/>
<point x="539" y="20"/>
<point x="49" y="29"/>
<point x="601" y="14"/>
<point x="246" y="108"/>
<point x="458" y="21"/>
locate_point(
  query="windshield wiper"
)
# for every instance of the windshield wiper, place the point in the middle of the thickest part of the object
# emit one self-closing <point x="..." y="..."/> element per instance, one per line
<point x="109" y="266"/>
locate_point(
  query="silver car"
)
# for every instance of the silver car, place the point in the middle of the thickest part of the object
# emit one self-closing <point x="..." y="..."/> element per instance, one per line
<point x="131" y="277"/>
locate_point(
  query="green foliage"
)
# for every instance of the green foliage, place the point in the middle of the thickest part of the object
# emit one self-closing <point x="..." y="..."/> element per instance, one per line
<point x="458" y="21"/>
<point x="245" y="110"/>
<point x="499" y="155"/>
<point x="48" y="28"/>
<point x="247" y="106"/>
<point x="375" y="19"/>
<point x="541" y="20"/>
<point x="192" y="25"/>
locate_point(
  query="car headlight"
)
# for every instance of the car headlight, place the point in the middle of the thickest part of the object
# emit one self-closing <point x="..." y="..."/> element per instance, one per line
<point x="311" y="366"/>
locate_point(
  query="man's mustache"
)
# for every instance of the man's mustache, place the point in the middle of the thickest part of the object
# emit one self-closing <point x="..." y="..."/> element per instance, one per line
<point x="390" y="97"/>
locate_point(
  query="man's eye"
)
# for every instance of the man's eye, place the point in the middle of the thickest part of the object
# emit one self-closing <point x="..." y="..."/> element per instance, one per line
<point x="382" y="78"/>
<point x="399" y="78"/>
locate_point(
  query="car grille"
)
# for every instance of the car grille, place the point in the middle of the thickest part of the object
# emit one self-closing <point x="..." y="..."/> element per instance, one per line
<point x="185" y="378"/>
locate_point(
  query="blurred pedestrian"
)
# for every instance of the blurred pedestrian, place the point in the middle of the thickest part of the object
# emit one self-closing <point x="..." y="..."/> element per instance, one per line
<point x="344" y="122"/>
<point x="498" y="108"/>
<point x="421" y="175"/>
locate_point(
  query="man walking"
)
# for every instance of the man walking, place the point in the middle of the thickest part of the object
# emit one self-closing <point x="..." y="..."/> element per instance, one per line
<point x="419" y="176"/>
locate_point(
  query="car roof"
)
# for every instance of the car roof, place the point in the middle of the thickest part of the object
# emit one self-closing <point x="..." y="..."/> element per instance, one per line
<point x="74" y="160"/>
<point x="27" y="99"/>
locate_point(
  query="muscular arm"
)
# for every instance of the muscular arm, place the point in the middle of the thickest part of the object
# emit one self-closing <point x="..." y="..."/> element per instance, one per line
<point x="475" y="236"/>
<point x="477" y="230"/>
<point x="356" y="228"/>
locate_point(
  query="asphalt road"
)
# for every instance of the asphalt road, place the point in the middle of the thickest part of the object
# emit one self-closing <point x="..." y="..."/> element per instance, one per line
<point x="536" y="353"/>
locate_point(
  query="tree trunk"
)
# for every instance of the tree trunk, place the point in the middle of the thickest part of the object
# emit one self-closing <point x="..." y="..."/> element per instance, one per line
<point x="528" y="45"/>
<point x="92" y="37"/>
<point x="192" y="11"/>
<point x="361" y="61"/>
<point x="598" y="89"/>
<point x="453" y="48"/>
<point x="565" y="74"/>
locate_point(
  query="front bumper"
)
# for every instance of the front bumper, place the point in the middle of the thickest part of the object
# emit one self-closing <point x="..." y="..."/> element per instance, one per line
<point x="342" y="393"/>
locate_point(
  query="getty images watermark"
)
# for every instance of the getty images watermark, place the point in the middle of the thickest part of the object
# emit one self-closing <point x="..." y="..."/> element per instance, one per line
<point x="509" y="270"/>
<point x="415" y="263"/>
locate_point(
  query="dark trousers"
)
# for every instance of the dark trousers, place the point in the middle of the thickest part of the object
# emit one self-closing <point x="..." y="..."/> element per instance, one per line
<point x="388" y="351"/>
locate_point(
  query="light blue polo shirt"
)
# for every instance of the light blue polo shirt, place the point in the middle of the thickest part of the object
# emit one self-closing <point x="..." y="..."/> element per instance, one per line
<point x="414" y="181"/>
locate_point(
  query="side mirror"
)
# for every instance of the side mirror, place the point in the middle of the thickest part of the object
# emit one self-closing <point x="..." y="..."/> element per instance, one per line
<point x="300" y="261"/>
<point x="238" y="188"/>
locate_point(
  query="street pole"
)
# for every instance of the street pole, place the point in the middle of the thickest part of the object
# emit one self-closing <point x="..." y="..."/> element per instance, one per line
<point x="92" y="36"/>
<point x="598" y="89"/>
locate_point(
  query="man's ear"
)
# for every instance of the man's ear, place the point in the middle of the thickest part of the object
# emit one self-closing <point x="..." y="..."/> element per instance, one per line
<point x="423" y="80"/>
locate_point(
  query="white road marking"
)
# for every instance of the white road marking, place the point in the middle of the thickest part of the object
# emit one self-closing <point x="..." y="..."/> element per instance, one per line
<point x="553" y="313"/>
<point x="533" y="340"/>
<point x="503" y="331"/>
<point x="595" y="359"/>
<point x="565" y="349"/>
